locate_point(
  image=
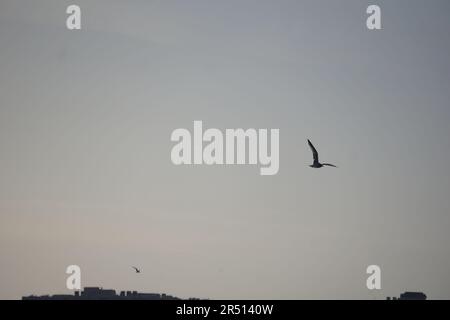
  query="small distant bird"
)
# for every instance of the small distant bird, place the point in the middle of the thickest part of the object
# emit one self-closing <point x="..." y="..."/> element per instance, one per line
<point x="137" y="270"/>
<point x="316" y="163"/>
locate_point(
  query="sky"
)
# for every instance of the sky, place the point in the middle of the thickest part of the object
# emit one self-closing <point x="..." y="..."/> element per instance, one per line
<point x="86" y="176"/>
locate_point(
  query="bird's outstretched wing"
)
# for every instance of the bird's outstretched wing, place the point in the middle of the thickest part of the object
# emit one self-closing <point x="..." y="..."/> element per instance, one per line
<point x="136" y="269"/>
<point x="314" y="152"/>
<point x="329" y="164"/>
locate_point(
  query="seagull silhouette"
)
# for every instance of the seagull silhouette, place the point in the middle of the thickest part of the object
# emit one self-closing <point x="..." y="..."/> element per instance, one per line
<point x="316" y="164"/>
<point x="137" y="270"/>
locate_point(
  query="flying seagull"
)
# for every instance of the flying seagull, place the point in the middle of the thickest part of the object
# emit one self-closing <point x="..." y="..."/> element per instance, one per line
<point x="316" y="163"/>
<point x="137" y="270"/>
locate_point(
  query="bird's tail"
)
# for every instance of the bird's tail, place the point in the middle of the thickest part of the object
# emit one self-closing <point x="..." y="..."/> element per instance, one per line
<point x="329" y="164"/>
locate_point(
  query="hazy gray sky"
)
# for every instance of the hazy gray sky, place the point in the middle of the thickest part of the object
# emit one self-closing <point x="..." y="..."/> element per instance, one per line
<point x="85" y="170"/>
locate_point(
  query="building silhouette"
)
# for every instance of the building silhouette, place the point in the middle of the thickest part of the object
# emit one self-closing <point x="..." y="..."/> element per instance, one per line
<point x="410" y="296"/>
<point x="98" y="293"/>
